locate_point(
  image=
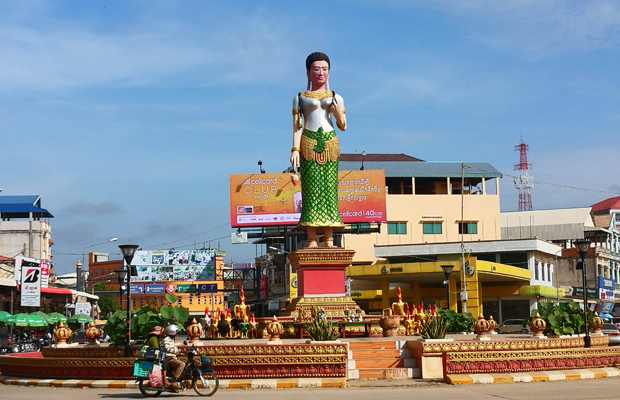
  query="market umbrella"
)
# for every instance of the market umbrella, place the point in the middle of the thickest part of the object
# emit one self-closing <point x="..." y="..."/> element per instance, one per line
<point x="79" y="319"/>
<point x="22" y="319"/>
<point x="43" y="316"/>
<point x="4" y="315"/>
<point x="35" y="320"/>
<point x="57" y="317"/>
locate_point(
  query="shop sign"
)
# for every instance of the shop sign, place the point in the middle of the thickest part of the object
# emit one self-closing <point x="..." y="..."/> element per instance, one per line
<point x="578" y="292"/>
<point x="170" y="288"/>
<point x="30" y="283"/>
<point x="82" y="308"/>
<point x="155" y="289"/>
<point x="186" y="288"/>
<point x="45" y="272"/>
<point x="137" y="289"/>
<point x="293" y="285"/>
<point x="606" y="283"/>
<point x="207" y="287"/>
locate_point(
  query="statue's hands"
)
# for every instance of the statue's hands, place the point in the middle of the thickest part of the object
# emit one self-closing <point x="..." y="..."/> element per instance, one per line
<point x="336" y="109"/>
<point x="295" y="159"/>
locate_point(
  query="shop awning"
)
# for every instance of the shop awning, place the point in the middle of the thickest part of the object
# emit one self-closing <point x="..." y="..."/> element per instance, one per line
<point x="8" y="282"/>
<point x="87" y="295"/>
<point x="55" y="290"/>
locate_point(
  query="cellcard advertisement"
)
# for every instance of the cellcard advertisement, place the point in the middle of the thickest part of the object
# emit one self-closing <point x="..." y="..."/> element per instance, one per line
<point x="273" y="199"/>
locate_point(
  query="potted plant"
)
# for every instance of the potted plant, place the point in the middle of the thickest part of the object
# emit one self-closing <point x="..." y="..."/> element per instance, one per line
<point x="143" y="319"/>
<point x="321" y="329"/>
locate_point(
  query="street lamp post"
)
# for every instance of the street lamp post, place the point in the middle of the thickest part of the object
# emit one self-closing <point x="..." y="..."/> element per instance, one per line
<point x="447" y="270"/>
<point x="79" y="278"/>
<point x="582" y="246"/>
<point x="120" y="276"/>
<point x="128" y="250"/>
<point x="363" y="156"/>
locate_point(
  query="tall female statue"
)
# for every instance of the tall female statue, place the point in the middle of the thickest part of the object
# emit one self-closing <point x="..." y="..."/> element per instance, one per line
<point x="316" y="150"/>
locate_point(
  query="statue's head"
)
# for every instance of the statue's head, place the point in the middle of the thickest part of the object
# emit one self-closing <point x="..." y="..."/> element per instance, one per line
<point x="317" y="70"/>
<point x="316" y="56"/>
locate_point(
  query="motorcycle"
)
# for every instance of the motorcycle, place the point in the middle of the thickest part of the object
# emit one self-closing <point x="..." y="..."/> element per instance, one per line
<point x="200" y="378"/>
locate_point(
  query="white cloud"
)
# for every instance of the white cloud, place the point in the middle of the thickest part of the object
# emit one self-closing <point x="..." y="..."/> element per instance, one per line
<point x="45" y="53"/>
<point x="532" y="24"/>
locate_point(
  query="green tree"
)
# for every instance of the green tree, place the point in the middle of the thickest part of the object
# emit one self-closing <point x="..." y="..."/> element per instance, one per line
<point x="108" y="302"/>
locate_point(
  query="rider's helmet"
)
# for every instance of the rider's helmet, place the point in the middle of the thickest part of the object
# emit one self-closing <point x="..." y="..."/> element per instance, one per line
<point x="172" y="330"/>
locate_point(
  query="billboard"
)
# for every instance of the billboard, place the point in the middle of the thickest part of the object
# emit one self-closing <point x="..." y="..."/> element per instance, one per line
<point x="30" y="283"/>
<point x="272" y="199"/>
<point x="174" y="265"/>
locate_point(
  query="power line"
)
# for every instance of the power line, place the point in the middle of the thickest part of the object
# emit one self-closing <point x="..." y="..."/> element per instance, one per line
<point x="550" y="183"/>
<point x="189" y="237"/>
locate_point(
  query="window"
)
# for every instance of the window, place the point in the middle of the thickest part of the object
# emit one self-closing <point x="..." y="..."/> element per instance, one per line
<point x="397" y="228"/>
<point x="431" y="228"/>
<point x="190" y="299"/>
<point x="468" y="228"/>
<point x="536" y="266"/>
<point x="542" y="271"/>
<point x="361" y="225"/>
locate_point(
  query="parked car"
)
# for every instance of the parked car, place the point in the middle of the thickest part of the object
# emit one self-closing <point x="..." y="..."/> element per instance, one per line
<point x="612" y="331"/>
<point x="515" y="325"/>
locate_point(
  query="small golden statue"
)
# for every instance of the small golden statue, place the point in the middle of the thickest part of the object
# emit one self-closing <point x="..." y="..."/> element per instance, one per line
<point x="399" y="307"/>
<point x="242" y="310"/>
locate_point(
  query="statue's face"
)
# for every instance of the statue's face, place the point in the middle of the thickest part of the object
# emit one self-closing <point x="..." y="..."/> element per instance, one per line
<point x="318" y="73"/>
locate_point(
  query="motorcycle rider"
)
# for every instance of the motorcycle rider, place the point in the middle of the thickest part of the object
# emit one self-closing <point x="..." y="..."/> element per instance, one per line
<point x="172" y="361"/>
<point x="156" y="342"/>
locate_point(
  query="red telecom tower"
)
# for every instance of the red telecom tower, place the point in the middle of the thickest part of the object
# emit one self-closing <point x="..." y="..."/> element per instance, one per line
<point x="524" y="182"/>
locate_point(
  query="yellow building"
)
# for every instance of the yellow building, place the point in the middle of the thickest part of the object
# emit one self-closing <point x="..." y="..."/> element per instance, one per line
<point x="433" y="207"/>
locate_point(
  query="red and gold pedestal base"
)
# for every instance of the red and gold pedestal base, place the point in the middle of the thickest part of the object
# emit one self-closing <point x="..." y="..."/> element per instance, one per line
<point x="321" y="283"/>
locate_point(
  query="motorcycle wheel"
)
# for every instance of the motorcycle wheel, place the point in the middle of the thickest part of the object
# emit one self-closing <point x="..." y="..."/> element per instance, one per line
<point x="146" y="389"/>
<point x="206" y="384"/>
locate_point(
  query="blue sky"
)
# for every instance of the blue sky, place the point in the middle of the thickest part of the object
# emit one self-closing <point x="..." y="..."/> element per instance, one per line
<point x="128" y="116"/>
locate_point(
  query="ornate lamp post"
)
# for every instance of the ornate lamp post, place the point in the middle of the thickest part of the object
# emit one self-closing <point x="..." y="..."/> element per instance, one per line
<point x="120" y="276"/>
<point x="128" y="250"/>
<point x="447" y="270"/>
<point x="78" y="276"/>
<point x="582" y="246"/>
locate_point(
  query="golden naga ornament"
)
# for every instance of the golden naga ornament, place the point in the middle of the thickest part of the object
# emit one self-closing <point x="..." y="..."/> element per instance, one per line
<point x="538" y="325"/>
<point x="481" y="326"/>
<point x="492" y="324"/>
<point x="194" y="331"/>
<point x="92" y="333"/>
<point x="62" y="333"/>
<point x="597" y="324"/>
<point x="275" y="329"/>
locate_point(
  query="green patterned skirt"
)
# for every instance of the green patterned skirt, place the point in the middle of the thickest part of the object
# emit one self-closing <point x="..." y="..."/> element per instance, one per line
<point x="319" y="180"/>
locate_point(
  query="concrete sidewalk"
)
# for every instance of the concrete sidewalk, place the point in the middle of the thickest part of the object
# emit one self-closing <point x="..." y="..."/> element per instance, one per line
<point x="283" y="383"/>
<point x="288" y="383"/>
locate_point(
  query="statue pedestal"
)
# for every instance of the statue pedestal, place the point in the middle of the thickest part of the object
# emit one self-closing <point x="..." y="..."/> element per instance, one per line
<point x="320" y="271"/>
<point x="321" y="282"/>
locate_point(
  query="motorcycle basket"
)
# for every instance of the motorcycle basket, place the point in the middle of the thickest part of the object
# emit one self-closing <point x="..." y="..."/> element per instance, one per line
<point x="142" y="368"/>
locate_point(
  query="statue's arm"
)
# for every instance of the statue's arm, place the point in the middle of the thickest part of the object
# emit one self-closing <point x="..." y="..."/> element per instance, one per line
<point x="338" y="111"/>
<point x="297" y="127"/>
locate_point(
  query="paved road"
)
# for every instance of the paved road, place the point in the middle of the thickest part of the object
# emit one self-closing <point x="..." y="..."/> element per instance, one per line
<point x="595" y="389"/>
